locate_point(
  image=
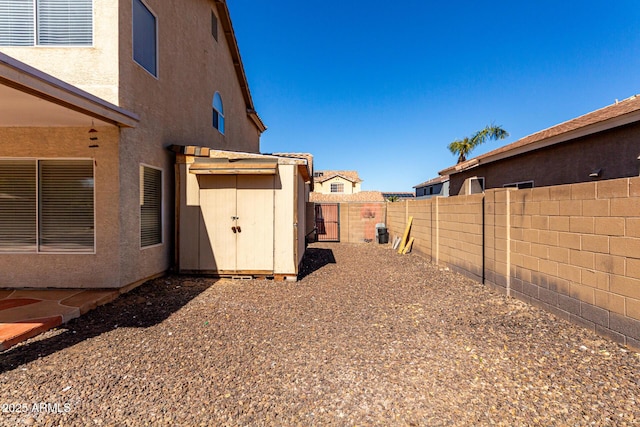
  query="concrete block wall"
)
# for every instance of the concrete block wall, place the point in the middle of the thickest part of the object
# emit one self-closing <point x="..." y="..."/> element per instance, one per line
<point x="572" y="249"/>
<point x="358" y="221"/>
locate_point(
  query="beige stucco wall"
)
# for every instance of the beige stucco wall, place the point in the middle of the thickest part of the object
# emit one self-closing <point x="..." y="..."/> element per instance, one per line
<point x="93" y="68"/>
<point x="174" y="108"/>
<point x="99" y="270"/>
<point x="192" y="66"/>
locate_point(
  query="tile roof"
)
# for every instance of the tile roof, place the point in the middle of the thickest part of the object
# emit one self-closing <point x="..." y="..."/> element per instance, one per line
<point x="348" y="175"/>
<point x="362" y="196"/>
<point x="611" y="116"/>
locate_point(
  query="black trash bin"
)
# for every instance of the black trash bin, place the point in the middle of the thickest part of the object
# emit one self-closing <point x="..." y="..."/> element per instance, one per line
<point x="383" y="235"/>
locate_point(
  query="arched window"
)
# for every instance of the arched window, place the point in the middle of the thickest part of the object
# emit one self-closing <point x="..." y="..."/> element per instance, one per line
<point x="218" y="113"/>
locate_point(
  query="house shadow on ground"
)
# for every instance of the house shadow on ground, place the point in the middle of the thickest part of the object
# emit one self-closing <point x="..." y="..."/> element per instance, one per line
<point x="314" y="259"/>
<point x="146" y="306"/>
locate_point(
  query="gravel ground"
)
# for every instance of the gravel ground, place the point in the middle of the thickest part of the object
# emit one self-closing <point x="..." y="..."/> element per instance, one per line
<point x="367" y="337"/>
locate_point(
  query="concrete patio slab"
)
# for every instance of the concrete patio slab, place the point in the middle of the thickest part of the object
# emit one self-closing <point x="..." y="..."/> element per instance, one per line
<point x="25" y="313"/>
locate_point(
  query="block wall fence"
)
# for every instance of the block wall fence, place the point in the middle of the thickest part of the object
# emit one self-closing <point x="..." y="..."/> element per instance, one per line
<point x="358" y="221"/>
<point x="573" y="250"/>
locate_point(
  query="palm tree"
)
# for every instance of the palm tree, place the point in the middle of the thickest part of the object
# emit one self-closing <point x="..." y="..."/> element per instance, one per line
<point x="462" y="147"/>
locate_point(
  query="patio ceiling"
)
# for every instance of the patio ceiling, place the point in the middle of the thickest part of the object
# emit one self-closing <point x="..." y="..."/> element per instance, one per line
<point x="20" y="109"/>
<point x="31" y="98"/>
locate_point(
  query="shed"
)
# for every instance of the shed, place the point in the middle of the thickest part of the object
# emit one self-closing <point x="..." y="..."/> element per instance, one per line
<point x="240" y="214"/>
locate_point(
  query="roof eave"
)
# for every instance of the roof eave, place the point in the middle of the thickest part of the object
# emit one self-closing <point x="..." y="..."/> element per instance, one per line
<point x="227" y="26"/>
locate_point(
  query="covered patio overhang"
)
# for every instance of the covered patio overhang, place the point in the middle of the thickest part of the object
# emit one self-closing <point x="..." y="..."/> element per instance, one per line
<point x="31" y="98"/>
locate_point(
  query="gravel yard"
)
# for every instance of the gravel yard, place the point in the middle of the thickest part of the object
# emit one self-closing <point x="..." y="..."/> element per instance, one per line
<point x="367" y="337"/>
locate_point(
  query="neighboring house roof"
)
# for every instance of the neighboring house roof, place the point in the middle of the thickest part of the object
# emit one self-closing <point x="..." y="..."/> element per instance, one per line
<point x="363" y="196"/>
<point x="32" y="98"/>
<point x="433" y="181"/>
<point x="619" y="114"/>
<point x="225" y="19"/>
<point x="348" y="175"/>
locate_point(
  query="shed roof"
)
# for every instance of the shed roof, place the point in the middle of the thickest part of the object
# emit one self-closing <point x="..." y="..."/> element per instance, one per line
<point x="618" y="114"/>
<point x="243" y="159"/>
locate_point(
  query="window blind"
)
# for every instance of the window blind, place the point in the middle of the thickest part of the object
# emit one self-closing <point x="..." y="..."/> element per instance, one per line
<point x="65" y="22"/>
<point x="66" y="216"/>
<point x="16" y="23"/>
<point x="150" y="206"/>
<point x="18" y="206"/>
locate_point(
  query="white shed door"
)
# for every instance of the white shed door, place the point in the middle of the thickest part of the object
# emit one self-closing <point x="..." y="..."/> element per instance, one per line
<point x="245" y="202"/>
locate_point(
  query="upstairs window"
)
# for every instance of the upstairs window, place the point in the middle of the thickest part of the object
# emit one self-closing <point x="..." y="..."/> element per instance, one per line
<point x="337" y="187"/>
<point x="145" y="43"/>
<point x="46" y="22"/>
<point x="214" y="26"/>
<point x="218" y="113"/>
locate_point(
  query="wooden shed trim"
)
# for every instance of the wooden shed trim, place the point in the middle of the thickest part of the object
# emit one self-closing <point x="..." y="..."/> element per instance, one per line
<point x="233" y="168"/>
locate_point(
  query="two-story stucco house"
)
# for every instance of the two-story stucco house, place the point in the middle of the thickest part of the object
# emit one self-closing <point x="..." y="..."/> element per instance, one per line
<point x="92" y="94"/>
<point x="336" y="182"/>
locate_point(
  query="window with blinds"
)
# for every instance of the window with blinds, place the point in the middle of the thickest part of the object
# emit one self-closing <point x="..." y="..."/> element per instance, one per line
<point x="17" y="23"/>
<point x="66" y="206"/>
<point x="47" y="206"/>
<point x="18" y="206"/>
<point x="150" y="206"/>
<point x="46" y="22"/>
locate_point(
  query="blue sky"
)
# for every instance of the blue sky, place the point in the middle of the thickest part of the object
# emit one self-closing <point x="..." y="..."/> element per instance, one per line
<point x="382" y="87"/>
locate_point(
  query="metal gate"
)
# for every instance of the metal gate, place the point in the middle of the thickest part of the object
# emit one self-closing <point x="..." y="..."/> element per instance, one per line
<point x="328" y="222"/>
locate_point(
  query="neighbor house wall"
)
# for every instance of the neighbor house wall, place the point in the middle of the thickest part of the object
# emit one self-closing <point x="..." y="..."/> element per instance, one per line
<point x="325" y="186"/>
<point x="614" y="151"/>
<point x="572" y="249"/>
<point x="70" y="270"/>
